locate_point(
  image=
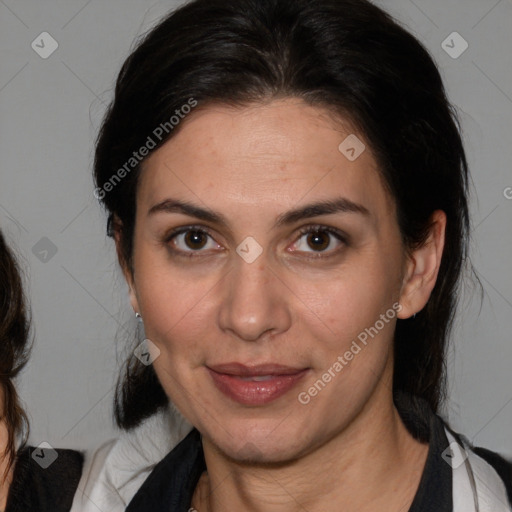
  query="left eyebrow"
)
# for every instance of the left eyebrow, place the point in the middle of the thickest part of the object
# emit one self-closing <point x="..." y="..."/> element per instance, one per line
<point x="339" y="205"/>
<point x="328" y="207"/>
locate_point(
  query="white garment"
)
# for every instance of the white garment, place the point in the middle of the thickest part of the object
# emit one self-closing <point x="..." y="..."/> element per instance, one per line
<point x="477" y="487"/>
<point x="114" y="472"/>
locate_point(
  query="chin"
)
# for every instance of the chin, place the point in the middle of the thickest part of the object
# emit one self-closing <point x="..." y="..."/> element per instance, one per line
<point x="270" y="443"/>
<point x="252" y="454"/>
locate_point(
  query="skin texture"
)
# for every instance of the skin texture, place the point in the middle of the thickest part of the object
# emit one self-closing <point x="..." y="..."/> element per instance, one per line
<point x="5" y="478"/>
<point x="295" y="305"/>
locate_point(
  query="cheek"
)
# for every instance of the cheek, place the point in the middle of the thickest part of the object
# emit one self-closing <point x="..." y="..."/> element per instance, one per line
<point x="355" y="298"/>
<point x="354" y="339"/>
<point x="165" y="293"/>
<point x="173" y="310"/>
<point x="176" y="322"/>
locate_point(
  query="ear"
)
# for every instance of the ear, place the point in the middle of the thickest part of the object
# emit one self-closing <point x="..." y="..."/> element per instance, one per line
<point x="422" y="268"/>
<point x="117" y="229"/>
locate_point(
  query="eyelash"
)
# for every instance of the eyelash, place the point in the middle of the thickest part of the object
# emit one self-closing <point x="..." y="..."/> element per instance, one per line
<point x="317" y="228"/>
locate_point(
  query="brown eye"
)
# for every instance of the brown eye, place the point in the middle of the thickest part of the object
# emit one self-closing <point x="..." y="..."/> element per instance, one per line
<point x="190" y="241"/>
<point x="195" y="239"/>
<point x="318" y="240"/>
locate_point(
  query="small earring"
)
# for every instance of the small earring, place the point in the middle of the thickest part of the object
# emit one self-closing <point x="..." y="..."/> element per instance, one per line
<point x="414" y="316"/>
<point x="138" y="316"/>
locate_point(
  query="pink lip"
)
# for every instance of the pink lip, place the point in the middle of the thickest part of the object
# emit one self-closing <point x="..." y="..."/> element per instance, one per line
<point x="229" y="379"/>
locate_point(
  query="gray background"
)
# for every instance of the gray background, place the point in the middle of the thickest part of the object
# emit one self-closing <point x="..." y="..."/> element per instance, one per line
<point x="50" y="110"/>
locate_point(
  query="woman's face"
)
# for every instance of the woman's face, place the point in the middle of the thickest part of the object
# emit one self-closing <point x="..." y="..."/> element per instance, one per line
<point x="254" y="318"/>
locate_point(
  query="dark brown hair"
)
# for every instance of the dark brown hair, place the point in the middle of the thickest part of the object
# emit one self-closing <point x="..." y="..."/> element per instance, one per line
<point x="14" y="348"/>
<point x="346" y="55"/>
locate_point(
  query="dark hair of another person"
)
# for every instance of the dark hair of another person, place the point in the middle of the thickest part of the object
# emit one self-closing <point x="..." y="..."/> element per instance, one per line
<point x="347" y="56"/>
<point x="14" y="348"/>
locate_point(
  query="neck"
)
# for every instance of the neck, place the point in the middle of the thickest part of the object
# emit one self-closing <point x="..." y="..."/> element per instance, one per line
<point x="373" y="464"/>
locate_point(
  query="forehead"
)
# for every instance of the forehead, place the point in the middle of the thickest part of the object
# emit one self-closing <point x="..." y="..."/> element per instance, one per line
<point x="268" y="156"/>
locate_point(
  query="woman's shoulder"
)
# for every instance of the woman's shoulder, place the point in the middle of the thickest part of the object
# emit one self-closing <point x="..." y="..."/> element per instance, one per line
<point x="478" y="472"/>
<point x="44" y="479"/>
<point x="500" y="464"/>
<point x="115" y="471"/>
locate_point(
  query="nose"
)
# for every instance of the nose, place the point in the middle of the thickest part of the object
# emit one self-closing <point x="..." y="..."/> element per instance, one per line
<point x="254" y="301"/>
